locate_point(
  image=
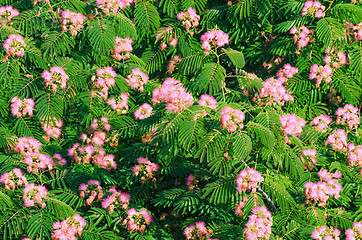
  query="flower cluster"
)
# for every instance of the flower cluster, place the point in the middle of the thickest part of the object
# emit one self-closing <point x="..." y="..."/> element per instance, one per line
<point x="69" y="228"/>
<point x="13" y="178"/>
<point x="6" y="13"/>
<point x="54" y="77"/>
<point x="72" y="21"/>
<point x="146" y="168"/>
<point x="354" y="156"/>
<point x="103" y="80"/>
<point x="197" y="231"/>
<point x="326" y="233"/>
<point x="259" y="225"/>
<point x="358" y="31"/>
<point x="308" y="158"/>
<point x="286" y="73"/>
<point x="137" y="79"/>
<point x="321" y="122"/>
<point x="120" y="104"/>
<point x="348" y="114"/>
<point x="248" y="180"/>
<point x="15" y="45"/>
<point x="292" y="124"/>
<point x="314" y="9"/>
<point x="45" y="1"/>
<point x="34" y="194"/>
<point x="137" y="221"/>
<point x="338" y="140"/>
<point x="327" y="187"/>
<point x="38" y="160"/>
<point x="239" y="207"/>
<point x="208" y="101"/>
<point x="335" y="59"/>
<point x="214" y="38"/>
<point x="166" y="35"/>
<point x="57" y="158"/>
<point x="109" y="6"/>
<point x="81" y="154"/>
<point x="191" y="182"/>
<point x="302" y="35"/>
<point x="21" y="107"/>
<point x="175" y="96"/>
<point x="122" y="49"/>
<point x="173" y="63"/>
<point x="144" y="111"/>
<point x="189" y="19"/>
<point x="116" y="199"/>
<point x="232" y="119"/>
<point x="321" y="73"/>
<point x="90" y="191"/>
<point x="105" y="161"/>
<point x="354" y="233"/>
<point x="27" y="145"/>
<point x="53" y="128"/>
<point x="100" y="125"/>
<point x="275" y="92"/>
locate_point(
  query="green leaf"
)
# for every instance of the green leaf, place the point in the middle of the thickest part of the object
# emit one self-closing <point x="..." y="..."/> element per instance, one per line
<point x="236" y="57"/>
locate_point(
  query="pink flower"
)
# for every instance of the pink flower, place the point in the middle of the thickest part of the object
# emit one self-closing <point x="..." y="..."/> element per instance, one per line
<point x="355" y="232"/>
<point x="208" y="101"/>
<point x="239" y="207"/>
<point x="321" y="73"/>
<point x="54" y="78"/>
<point x="34" y="194"/>
<point x="314" y="9"/>
<point x="145" y="168"/>
<point x="7" y="13"/>
<point x="301" y="35"/>
<point x="21" y="107"/>
<point x="248" y="180"/>
<point x="90" y="191"/>
<point x="137" y="79"/>
<point x="112" y="6"/>
<point x="143" y="112"/>
<point x="72" y="21"/>
<point x="232" y="119"/>
<point x="122" y="49"/>
<point x="189" y="19"/>
<point x="197" y="231"/>
<point x="308" y="158"/>
<point x="286" y="72"/>
<point x="137" y="221"/>
<point x="14" y="178"/>
<point x="321" y="122"/>
<point x="275" y="92"/>
<point x="338" y="140"/>
<point x="120" y="104"/>
<point x="214" y="38"/>
<point x="27" y="146"/>
<point x="348" y="114"/>
<point x="69" y="228"/>
<point x="259" y="225"/>
<point x="117" y="199"/>
<point x="326" y="233"/>
<point x="15" y="45"/>
<point x="53" y="128"/>
<point x="292" y="124"/>
<point x="173" y="64"/>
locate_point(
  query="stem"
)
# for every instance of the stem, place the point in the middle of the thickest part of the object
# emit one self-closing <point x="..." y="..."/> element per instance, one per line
<point x="267" y="198"/>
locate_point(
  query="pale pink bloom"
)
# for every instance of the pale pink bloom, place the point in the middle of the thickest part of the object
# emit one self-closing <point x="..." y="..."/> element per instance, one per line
<point x="321" y="122"/>
<point x="27" y="145"/>
<point x="90" y="191"/>
<point x="14" y="178"/>
<point x="314" y="9"/>
<point x="338" y="140"/>
<point x="122" y="49"/>
<point x="144" y="111"/>
<point x="286" y="72"/>
<point x="197" y="231"/>
<point x="105" y="161"/>
<point x="259" y="225"/>
<point x="173" y="63"/>
<point x="105" y="77"/>
<point x="326" y="233"/>
<point x="239" y="207"/>
<point x="232" y="119"/>
<point x="208" y="101"/>
<point x="45" y="1"/>
<point x="15" y="45"/>
<point x="120" y="104"/>
<point x="137" y="221"/>
<point x="354" y="233"/>
<point x="59" y="159"/>
<point x="69" y="228"/>
<point x="308" y="158"/>
<point x="7" y="13"/>
<point x="248" y="180"/>
<point x="117" y="199"/>
<point x="335" y="59"/>
<point x="301" y="36"/>
<point x="137" y="79"/>
<point x="321" y="73"/>
<point x="21" y="107"/>
<point x="34" y="195"/>
<point x="189" y="19"/>
<point x="292" y="124"/>
<point x="113" y="6"/>
<point x="357" y="31"/>
<point x="175" y="96"/>
<point x="348" y="114"/>
<point x="145" y="168"/>
<point x="275" y="92"/>
<point x="354" y="156"/>
<point x="214" y="38"/>
<point x="53" y="128"/>
<point x="72" y="21"/>
<point x="37" y="160"/>
<point x="54" y="78"/>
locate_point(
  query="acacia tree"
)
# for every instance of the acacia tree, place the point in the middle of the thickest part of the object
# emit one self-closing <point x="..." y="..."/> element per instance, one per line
<point x="168" y="119"/>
